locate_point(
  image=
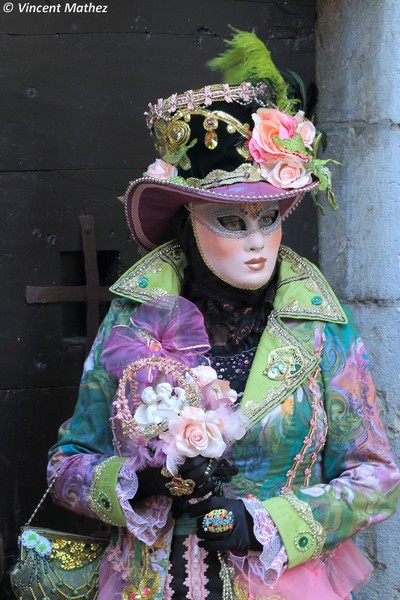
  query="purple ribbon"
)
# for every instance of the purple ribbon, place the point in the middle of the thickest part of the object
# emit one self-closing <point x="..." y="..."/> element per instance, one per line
<point x="169" y="327"/>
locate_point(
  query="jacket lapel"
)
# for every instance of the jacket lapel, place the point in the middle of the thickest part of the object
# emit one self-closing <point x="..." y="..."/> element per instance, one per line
<point x="159" y="273"/>
<point x="285" y="355"/>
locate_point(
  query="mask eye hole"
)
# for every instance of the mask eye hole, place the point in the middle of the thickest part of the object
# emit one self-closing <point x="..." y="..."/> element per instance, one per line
<point x="267" y="219"/>
<point x="232" y="223"/>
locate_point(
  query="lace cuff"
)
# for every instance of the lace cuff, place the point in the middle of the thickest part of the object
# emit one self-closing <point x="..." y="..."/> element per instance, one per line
<point x="149" y="515"/>
<point x="271" y="563"/>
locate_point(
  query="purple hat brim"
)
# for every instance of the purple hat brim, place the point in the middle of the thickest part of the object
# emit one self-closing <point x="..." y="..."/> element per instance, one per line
<point x="151" y="204"/>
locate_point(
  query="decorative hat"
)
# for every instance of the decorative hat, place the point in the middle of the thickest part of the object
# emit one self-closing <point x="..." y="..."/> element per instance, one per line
<point x="240" y="141"/>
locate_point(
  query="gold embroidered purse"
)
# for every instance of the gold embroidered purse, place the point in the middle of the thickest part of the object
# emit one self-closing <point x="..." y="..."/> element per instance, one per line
<point x="56" y="565"/>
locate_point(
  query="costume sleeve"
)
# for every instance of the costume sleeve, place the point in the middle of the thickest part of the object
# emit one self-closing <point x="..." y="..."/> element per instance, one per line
<point x="84" y="457"/>
<point x="91" y="479"/>
<point x="360" y="479"/>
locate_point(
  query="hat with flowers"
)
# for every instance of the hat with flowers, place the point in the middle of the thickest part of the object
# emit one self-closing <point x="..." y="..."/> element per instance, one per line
<point x="244" y="140"/>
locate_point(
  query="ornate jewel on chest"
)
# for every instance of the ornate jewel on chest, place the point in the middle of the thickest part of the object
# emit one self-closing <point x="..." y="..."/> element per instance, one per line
<point x="284" y="363"/>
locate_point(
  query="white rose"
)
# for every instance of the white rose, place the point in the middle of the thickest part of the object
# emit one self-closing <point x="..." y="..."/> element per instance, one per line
<point x="205" y="374"/>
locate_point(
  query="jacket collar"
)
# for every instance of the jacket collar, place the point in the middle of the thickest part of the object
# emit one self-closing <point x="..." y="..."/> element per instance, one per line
<point x="302" y="291"/>
<point x="285" y="356"/>
<point x="159" y="273"/>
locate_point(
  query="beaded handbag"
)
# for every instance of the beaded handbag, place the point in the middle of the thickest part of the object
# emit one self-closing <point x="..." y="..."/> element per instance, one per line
<point x="56" y="565"/>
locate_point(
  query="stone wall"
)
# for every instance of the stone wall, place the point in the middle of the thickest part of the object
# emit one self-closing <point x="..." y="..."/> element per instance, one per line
<point x="358" y="75"/>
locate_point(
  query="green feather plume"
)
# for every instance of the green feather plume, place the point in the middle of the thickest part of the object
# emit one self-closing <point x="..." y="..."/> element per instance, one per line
<point x="248" y="59"/>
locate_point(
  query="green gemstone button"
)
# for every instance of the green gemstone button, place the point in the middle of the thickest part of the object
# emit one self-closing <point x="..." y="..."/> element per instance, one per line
<point x="143" y="282"/>
<point x="316" y="300"/>
<point x="106" y="503"/>
<point x="303" y="542"/>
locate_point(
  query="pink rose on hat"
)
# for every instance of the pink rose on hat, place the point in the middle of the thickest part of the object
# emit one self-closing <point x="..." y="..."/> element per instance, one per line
<point x="269" y="123"/>
<point x="306" y="129"/>
<point x="287" y="172"/>
<point x="160" y="169"/>
<point x="282" y="144"/>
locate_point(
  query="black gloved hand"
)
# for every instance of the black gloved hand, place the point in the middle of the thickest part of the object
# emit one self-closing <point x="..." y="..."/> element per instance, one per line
<point x="153" y="483"/>
<point x="221" y="471"/>
<point x="225" y="470"/>
<point x="240" y="539"/>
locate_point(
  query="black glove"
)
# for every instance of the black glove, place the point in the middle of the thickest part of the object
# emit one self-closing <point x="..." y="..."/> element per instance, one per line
<point x="153" y="483"/>
<point x="239" y="539"/>
<point x="221" y="472"/>
<point x="225" y="470"/>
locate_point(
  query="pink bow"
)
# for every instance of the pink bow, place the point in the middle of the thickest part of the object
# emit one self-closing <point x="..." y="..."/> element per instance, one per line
<point x="169" y="327"/>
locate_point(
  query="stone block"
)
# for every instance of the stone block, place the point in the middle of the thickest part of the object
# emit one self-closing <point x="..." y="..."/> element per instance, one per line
<point x="360" y="245"/>
<point x="358" y="60"/>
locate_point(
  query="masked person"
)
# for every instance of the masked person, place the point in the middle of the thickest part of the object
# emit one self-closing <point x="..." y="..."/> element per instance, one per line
<point x="261" y="505"/>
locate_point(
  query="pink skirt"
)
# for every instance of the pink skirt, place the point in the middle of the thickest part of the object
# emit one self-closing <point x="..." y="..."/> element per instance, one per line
<point x="345" y="570"/>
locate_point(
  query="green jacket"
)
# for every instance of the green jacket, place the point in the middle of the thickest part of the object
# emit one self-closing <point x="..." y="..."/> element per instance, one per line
<point x="315" y="455"/>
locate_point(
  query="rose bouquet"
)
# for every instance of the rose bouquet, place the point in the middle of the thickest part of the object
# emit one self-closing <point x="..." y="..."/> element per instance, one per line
<point x="169" y="405"/>
<point x="197" y="417"/>
<point x="285" y="146"/>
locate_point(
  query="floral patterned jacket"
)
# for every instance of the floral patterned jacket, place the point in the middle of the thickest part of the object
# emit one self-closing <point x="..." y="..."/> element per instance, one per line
<point x="316" y="455"/>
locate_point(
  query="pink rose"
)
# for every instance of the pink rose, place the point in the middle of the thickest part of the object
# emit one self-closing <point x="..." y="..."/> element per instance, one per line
<point x="197" y="432"/>
<point x="160" y="169"/>
<point x="288" y="172"/>
<point x="306" y="129"/>
<point x="268" y="123"/>
<point x="218" y="392"/>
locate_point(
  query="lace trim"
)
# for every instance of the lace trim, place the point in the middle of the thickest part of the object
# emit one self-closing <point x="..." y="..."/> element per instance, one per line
<point x="168" y="591"/>
<point x="149" y="516"/>
<point x="272" y="561"/>
<point x="196" y="566"/>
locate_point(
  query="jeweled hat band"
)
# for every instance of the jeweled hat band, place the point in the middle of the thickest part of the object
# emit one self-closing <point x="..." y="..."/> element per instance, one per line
<point x="245" y="173"/>
<point x="246" y="93"/>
